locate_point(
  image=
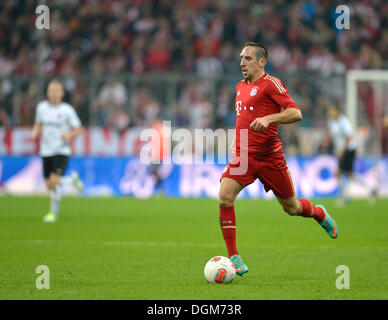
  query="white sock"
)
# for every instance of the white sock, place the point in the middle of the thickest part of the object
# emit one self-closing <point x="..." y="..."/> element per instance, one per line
<point x="55" y="199"/>
<point x="343" y="185"/>
<point x="65" y="180"/>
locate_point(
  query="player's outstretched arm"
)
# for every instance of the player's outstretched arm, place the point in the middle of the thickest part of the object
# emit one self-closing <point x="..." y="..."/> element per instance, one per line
<point x="289" y="115"/>
<point x="36" y="131"/>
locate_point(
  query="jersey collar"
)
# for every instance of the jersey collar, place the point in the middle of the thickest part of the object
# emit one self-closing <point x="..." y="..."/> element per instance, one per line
<point x="250" y="84"/>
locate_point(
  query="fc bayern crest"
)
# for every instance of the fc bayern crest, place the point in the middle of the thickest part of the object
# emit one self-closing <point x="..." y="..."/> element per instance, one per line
<point x="253" y="92"/>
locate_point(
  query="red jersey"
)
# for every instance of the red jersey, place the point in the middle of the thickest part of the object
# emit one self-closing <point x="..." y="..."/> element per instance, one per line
<point x="267" y="95"/>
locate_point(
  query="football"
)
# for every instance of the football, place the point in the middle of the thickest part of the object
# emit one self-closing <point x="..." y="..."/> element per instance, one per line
<point x="219" y="269"/>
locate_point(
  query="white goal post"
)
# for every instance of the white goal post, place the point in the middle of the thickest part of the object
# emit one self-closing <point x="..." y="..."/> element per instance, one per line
<point x="366" y="105"/>
<point x="377" y="80"/>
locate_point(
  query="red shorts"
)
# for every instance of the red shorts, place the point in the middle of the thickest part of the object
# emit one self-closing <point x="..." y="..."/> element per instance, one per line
<point x="273" y="174"/>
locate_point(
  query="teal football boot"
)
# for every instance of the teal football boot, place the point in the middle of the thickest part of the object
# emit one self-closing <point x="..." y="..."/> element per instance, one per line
<point x="239" y="264"/>
<point x="329" y="224"/>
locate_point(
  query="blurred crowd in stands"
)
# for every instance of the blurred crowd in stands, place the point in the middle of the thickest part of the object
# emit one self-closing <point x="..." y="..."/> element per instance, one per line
<point x="91" y="40"/>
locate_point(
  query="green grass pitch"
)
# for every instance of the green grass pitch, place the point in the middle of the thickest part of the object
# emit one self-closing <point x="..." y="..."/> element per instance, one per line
<point x="125" y="248"/>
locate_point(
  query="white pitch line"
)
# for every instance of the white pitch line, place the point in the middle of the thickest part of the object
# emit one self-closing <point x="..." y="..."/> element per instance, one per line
<point x="175" y="244"/>
<point x="119" y="243"/>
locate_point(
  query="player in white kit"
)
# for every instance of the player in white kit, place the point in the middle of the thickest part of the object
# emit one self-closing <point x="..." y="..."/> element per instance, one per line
<point x="57" y="123"/>
<point x="344" y="142"/>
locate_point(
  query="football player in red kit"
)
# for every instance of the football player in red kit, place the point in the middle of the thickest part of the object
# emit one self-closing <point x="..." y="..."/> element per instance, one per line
<point x="262" y="103"/>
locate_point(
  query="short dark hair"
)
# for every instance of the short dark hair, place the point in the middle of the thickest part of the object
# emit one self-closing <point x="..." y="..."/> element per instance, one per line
<point x="56" y="80"/>
<point x="261" y="51"/>
<point x="336" y="107"/>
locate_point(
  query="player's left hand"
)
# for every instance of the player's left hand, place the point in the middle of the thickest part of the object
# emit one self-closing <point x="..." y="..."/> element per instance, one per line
<point x="259" y="124"/>
<point x="66" y="136"/>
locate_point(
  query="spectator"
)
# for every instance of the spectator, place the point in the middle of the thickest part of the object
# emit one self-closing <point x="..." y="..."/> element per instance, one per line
<point x="201" y="113"/>
<point x="145" y="107"/>
<point x="111" y="99"/>
<point x="208" y="64"/>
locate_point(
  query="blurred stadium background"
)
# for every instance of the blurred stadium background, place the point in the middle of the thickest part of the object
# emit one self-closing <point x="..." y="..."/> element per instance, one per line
<point x="125" y="63"/>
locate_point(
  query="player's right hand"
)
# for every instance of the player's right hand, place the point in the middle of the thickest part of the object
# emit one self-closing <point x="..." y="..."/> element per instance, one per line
<point x="259" y="124"/>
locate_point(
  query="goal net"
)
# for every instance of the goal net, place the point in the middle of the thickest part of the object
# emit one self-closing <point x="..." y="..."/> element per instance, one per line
<point x="366" y="106"/>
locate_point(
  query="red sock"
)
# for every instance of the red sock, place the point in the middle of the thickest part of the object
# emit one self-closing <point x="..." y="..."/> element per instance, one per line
<point x="309" y="210"/>
<point x="228" y="227"/>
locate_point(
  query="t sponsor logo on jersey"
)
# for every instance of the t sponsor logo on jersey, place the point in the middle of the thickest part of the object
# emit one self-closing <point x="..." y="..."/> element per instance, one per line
<point x="238" y="92"/>
<point x="238" y="107"/>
